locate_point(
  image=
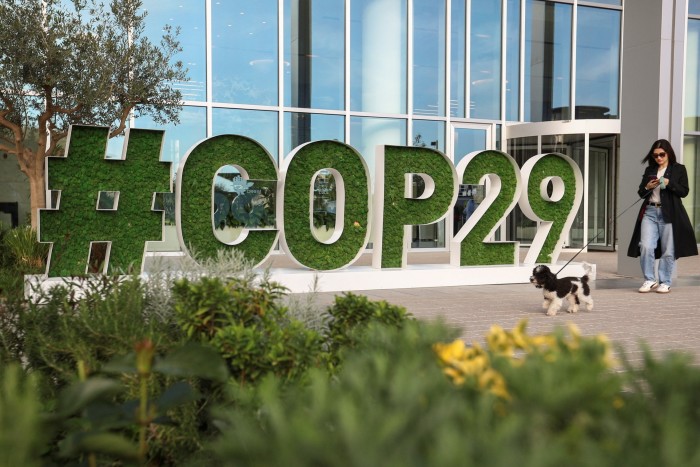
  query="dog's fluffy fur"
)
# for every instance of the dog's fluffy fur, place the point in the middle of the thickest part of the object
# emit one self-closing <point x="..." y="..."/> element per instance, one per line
<point x="574" y="289"/>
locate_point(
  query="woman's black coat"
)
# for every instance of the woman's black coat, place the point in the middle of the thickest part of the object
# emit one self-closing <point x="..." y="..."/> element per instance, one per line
<point x="684" y="243"/>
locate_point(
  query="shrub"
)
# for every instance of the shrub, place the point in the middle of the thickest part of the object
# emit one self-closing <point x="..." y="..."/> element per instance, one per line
<point x="350" y="313"/>
<point x="558" y="403"/>
<point x="23" y="436"/>
<point x="248" y="325"/>
<point x="27" y="254"/>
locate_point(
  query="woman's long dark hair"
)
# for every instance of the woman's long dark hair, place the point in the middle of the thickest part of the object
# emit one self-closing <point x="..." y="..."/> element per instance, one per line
<point x="660" y="144"/>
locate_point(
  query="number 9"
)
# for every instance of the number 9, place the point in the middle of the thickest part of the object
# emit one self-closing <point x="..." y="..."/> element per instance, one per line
<point x="555" y="211"/>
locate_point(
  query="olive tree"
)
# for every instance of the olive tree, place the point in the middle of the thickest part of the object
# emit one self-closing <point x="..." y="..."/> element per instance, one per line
<point x="65" y="62"/>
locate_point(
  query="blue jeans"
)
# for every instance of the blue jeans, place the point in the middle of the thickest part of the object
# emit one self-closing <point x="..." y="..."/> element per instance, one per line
<point x="653" y="228"/>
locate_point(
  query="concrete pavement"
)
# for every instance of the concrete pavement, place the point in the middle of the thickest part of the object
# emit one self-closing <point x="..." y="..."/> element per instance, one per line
<point x="666" y="322"/>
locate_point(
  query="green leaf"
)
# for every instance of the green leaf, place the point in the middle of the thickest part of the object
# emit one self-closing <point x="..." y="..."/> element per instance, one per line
<point x="177" y="394"/>
<point x="121" y="364"/>
<point x="103" y="443"/>
<point x="194" y="360"/>
<point x="79" y="395"/>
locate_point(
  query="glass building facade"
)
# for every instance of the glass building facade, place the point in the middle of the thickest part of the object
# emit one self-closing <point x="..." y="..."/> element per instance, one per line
<point x="522" y="76"/>
<point x="453" y="75"/>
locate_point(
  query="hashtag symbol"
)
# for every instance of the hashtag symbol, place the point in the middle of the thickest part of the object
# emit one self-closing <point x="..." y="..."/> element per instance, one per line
<point x="80" y="177"/>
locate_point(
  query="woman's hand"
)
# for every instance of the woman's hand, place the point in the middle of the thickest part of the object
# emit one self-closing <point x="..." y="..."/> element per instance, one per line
<point x="653" y="183"/>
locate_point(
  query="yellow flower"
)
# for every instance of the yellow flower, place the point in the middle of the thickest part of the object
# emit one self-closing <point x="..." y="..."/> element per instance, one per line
<point x="519" y="336"/>
<point x="498" y="341"/>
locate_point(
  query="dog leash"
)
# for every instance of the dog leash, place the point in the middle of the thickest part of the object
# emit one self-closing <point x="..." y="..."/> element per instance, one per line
<point x="597" y="235"/>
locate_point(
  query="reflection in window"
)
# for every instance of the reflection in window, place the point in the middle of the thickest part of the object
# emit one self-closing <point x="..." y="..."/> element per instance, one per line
<point x="602" y="159"/>
<point x="429" y="134"/>
<point x="458" y="41"/>
<point x="367" y="133"/>
<point x="547" y="61"/>
<point x="255" y="124"/>
<point x="513" y="61"/>
<point x="179" y="138"/>
<point x="314" y="54"/>
<point x="241" y="204"/>
<point x="468" y="140"/>
<point x="300" y="128"/>
<point x="378" y="55"/>
<point x="429" y="57"/>
<point x="694" y="7"/>
<point x="485" y="60"/>
<point x="692" y="77"/>
<point x="244" y="52"/>
<point x="189" y="17"/>
<point x="324" y="205"/>
<point x="597" y="62"/>
<point x="691" y="160"/>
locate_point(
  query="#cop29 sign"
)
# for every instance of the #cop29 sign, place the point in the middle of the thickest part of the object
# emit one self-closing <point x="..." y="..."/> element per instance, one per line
<point x="110" y="202"/>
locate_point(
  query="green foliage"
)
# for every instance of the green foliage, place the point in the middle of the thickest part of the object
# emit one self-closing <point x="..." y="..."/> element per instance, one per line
<point x="473" y="250"/>
<point x="248" y="326"/>
<point x="81" y="62"/>
<point x="81" y="176"/>
<point x="389" y="406"/>
<point x="298" y="180"/>
<point x="399" y="210"/>
<point x="24" y="253"/>
<point x="100" y="418"/>
<point x="350" y="314"/>
<point x="195" y="199"/>
<point x="62" y="328"/>
<point x="555" y="211"/>
<point x="22" y="432"/>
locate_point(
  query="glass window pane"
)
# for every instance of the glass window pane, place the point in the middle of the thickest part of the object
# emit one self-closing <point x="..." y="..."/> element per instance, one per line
<point x="694" y="7"/>
<point x="429" y="57"/>
<point x="189" y="17"/>
<point x="367" y="133"/>
<point x="256" y="124"/>
<point x="692" y="77"/>
<point x="181" y="137"/>
<point x="244" y="52"/>
<point x="485" y="57"/>
<point x="597" y="63"/>
<point x="547" y="61"/>
<point x="468" y="140"/>
<point x="691" y="160"/>
<point x="608" y="2"/>
<point x="429" y="133"/>
<point x="314" y="54"/>
<point x="378" y="56"/>
<point x="513" y="61"/>
<point x="458" y="71"/>
<point x="300" y="128"/>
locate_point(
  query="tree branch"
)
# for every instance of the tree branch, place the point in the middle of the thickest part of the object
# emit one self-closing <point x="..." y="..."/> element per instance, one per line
<point x="122" y="120"/>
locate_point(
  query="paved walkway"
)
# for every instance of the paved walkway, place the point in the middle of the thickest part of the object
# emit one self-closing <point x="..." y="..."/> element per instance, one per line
<point x="665" y="322"/>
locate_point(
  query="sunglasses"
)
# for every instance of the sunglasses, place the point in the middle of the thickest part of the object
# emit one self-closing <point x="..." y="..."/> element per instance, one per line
<point x="659" y="155"/>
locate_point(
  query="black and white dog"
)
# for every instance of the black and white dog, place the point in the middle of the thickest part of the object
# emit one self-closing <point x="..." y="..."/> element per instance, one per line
<point x="574" y="289"/>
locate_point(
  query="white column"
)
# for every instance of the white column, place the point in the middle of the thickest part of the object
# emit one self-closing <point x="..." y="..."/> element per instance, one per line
<point x="650" y="98"/>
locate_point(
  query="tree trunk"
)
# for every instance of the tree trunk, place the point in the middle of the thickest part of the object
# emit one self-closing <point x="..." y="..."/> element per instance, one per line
<point x="37" y="188"/>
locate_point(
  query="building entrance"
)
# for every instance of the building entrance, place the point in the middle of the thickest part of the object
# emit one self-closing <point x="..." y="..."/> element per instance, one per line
<point x="594" y="146"/>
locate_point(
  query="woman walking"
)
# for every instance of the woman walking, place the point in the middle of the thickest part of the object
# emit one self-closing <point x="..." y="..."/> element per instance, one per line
<point x="663" y="230"/>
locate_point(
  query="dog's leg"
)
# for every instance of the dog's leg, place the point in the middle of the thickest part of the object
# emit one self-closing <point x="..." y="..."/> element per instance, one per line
<point x="545" y="304"/>
<point x="573" y="303"/>
<point x="588" y="300"/>
<point x="554" y="306"/>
